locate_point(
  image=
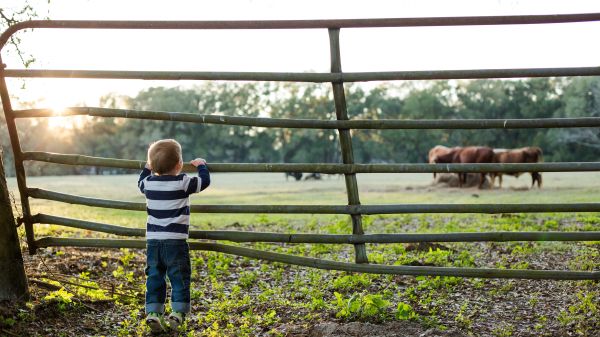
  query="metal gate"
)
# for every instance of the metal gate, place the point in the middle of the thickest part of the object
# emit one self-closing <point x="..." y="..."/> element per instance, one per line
<point x="348" y="167"/>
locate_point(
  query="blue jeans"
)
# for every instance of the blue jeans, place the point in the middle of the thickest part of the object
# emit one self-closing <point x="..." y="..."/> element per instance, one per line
<point x="168" y="258"/>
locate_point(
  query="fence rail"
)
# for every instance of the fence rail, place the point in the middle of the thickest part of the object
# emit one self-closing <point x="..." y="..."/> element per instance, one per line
<point x="76" y="159"/>
<point x="333" y="77"/>
<point x="304" y="24"/>
<point x="243" y="236"/>
<point x="382" y="124"/>
<point x="334" y="265"/>
<point x="342" y="124"/>
<point x="328" y="209"/>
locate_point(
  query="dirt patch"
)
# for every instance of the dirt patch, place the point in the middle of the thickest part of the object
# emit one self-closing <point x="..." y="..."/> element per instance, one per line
<point x="360" y="329"/>
<point x="451" y="180"/>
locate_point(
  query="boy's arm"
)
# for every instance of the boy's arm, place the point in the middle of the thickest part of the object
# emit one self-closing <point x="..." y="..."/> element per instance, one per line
<point x="145" y="173"/>
<point x="200" y="183"/>
<point x="204" y="176"/>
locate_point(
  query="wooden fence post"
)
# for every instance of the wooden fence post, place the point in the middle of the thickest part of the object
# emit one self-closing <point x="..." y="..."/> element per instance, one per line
<point x="13" y="282"/>
<point x="339" y="97"/>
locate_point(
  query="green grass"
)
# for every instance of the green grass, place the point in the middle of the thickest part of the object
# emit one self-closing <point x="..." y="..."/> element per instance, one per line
<point x="263" y="189"/>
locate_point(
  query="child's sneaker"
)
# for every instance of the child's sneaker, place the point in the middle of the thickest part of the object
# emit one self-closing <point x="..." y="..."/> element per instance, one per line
<point x="156" y="322"/>
<point x="175" y="319"/>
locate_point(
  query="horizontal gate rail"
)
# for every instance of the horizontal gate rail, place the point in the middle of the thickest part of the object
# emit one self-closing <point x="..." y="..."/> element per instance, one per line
<point x="76" y="159"/>
<point x="304" y="24"/>
<point x="317" y="124"/>
<point x="329" y="209"/>
<point x="243" y="236"/>
<point x="334" y="265"/>
<point x="305" y="77"/>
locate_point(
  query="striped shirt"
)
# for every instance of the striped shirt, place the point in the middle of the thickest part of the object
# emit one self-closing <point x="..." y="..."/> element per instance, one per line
<point x="168" y="202"/>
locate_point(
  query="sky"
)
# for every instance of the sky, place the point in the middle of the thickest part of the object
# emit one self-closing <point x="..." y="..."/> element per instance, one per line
<point x="386" y="49"/>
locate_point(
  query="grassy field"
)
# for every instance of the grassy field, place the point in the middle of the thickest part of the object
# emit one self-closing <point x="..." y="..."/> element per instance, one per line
<point x="250" y="188"/>
<point x="234" y="296"/>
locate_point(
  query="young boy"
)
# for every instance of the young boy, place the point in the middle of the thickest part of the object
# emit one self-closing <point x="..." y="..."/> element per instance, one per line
<point x="167" y="194"/>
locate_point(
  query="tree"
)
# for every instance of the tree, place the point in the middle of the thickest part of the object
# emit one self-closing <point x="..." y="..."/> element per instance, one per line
<point x="512" y="99"/>
<point x="429" y="102"/>
<point x="129" y="138"/>
<point x="13" y="282"/>
<point x="304" y="101"/>
<point x="581" y="98"/>
<point x="12" y="13"/>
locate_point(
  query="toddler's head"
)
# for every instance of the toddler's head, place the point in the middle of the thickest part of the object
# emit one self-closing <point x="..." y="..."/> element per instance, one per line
<point x="164" y="156"/>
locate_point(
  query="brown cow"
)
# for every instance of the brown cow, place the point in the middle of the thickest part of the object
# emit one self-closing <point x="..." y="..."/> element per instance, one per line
<point x="523" y="155"/>
<point x="458" y="155"/>
<point x="474" y="154"/>
<point x="441" y="154"/>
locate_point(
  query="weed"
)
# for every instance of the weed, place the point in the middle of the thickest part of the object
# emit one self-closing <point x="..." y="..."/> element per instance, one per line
<point x="126" y="256"/>
<point x="520" y="265"/>
<point x="318" y="249"/>
<point x="317" y="303"/>
<point x="61" y="297"/>
<point x="7" y="322"/>
<point x="437" y="257"/>
<point x="262" y="219"/>
<point x="196" y="293"/>
<point x="367" y="221"/>
<point x="360" y="306"/>
<point x="341" y="226"/>
<point x="464" y="259"/>
<point x="218" y="264"/>
<point x="577" y="314"/>
<point x="534" y="299"/>
<point x="376" y="257"/>
<point x="120" y="273"/>
<point x="405" y="312"/>
<point x="478" y="283"/>
<point x="352" y="281"/>
<point x="437" y="282"/>
<point x="551" y="224"/>
<point x="463" y="321"/>
<point x="247" y="279"/>
<point x="542" y="319"/>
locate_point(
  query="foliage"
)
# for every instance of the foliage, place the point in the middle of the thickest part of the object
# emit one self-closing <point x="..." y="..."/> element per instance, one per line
<point x="405" y="312"/>
<point x="587" y="306"/>
<point x="353" y="281"/>
<point x="496" y="99"/>
<point x="15" y="12"/>
<point x="61" y="297"/>
<point x="360" y="305"/>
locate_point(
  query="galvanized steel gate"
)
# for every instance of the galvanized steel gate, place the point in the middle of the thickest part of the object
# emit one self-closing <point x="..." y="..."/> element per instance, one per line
<point x="349" y="168"/>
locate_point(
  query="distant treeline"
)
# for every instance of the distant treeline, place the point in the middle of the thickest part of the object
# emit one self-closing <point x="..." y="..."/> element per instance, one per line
<point x="129" y="138"/>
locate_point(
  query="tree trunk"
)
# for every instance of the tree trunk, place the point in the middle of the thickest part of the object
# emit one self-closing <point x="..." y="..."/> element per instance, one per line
<point x="13" y="282"/>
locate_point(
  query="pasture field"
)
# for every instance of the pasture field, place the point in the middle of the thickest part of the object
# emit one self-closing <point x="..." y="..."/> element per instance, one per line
<point x="234" y="296"/>
<point x="253" y="188"/>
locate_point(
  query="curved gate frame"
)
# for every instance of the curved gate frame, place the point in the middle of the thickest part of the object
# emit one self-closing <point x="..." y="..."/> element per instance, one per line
<point x="349" y="168"/>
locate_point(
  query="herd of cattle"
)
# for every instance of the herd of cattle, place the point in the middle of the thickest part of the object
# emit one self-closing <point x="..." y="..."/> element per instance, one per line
<point x="483" y="154"/>
<point x="470" y="154"/>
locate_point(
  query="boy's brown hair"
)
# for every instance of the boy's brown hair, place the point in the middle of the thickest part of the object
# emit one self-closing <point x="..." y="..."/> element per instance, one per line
<point x="164" y="155"/>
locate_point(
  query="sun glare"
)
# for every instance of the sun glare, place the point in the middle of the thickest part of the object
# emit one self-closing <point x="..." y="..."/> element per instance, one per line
<point x="65" y="122"/>
<point x="59" y="121"/>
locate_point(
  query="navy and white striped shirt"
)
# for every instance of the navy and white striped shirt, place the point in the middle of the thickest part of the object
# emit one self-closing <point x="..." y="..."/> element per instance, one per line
<point x="168" y="202"/>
